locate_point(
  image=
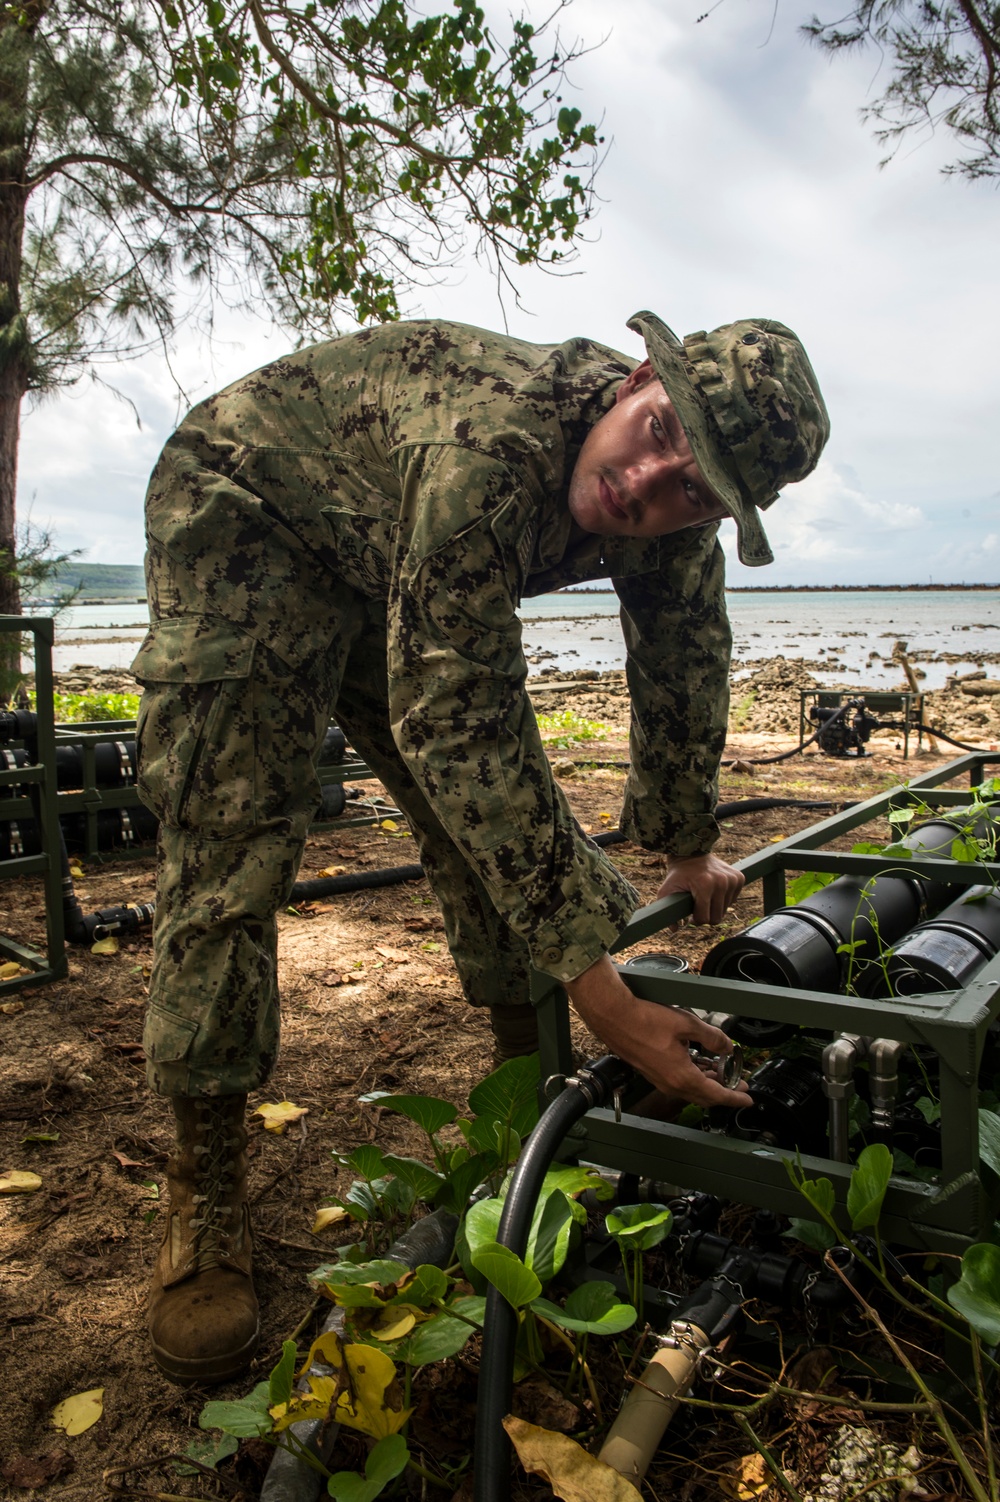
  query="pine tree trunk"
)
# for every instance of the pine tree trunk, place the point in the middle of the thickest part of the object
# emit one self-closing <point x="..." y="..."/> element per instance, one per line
<point x="16" y="42"/>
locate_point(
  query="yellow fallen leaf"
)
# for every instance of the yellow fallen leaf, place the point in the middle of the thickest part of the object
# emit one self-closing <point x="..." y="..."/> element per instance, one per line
<point x="105" y="946"/>
<point x="314" y="1404"/>
<point x="9" y="1008"/>
<point x="389" y="824"/>
<point x="80" y="1412"/>
<point x="395" y="1322"/>
<point x="750" y="1477"/>
<point x="278" y="1117"/>
<point x="76" y="870"/>
<point x="368" y="1403"/>
<point x="333" y="871"/>
<point x="604" y="818"/>
<point x="573" y="1473"/>
<point x="9" y="970"/>
<point x="330" y="1215"/>
<point x="19" y="1181"/>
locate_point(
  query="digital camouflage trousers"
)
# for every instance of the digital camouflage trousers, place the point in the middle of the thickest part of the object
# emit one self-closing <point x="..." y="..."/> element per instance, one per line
<point x="228" y="736"/>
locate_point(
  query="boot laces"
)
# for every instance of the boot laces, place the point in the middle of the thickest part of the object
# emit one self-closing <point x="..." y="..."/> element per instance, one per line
<point x="215" y="1177"/>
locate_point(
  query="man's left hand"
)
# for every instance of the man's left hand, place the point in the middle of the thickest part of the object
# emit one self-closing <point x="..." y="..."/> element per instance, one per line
<point x="713" y="885"/>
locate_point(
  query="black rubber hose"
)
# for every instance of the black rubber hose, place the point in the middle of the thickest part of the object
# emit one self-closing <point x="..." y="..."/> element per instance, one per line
<point x="390" y="876"/>
<point x="354" y="881"/>
<point x="962" y="745"/>
<point x="763" y="761"/>
<point x="589" y="1087"/>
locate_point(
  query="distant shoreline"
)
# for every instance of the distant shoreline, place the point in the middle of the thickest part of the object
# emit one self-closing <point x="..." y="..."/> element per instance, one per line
<point x="820" y="589"/>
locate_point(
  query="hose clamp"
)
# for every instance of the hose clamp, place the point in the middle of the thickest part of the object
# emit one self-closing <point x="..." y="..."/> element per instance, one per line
<point x="124" y="763"/>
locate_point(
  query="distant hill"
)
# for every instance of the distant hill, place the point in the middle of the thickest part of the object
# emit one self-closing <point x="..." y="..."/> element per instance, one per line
<point x="99" y="581"/>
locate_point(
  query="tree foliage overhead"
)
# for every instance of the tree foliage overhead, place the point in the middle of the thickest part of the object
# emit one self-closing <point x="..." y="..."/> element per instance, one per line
<point x="945" y="70"/>
<point x="321" y="156"/>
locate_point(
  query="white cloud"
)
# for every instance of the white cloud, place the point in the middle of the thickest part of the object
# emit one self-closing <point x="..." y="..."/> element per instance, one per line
<point x="739" y="180"/>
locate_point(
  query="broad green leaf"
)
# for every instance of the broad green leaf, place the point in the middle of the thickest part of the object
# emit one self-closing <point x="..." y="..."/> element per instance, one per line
<point x="436" y="1339"/>
<point x="281" y="1380"/>
<point x="637" y="1228"/>
<point x="463" y="1178"/>
<point x="989" y="1139"/>
<point x="868" y="1184"/>
<point x="427" y="1284"/>
<point x="977" y="1293"/>
<point x="480" y="1135"/>
<point x="366" y="1160"/>
<point x="428" y="1111"/>
<point x="964" y="849"/>
<point x="208" y="1452"/>
<point x="507" y="1272"/>
<point x="380" y="1273"/>
<point x="576" y="1181"/>
<point x="387" y="1460"/>
<point x="592" y="1309"/>
<point x="481" y="1224"/>
<point x="803" y="886"/>
<point x="811" y="1233"/>
<point x="246" y="1418"/>
<point x="819" y="1192"/>
<point x="548" y="1240"/>
<point x="424" y="1182"/>
<point x="510" y="1094"/>
<point x="929" y="1109"/>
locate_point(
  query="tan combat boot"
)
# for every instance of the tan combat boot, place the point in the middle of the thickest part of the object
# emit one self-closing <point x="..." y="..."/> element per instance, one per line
<point x="203" y="1318"/>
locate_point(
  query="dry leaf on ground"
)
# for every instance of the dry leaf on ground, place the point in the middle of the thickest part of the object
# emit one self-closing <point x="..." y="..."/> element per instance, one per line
<point x="749" y="1477"/>
<point x="571" y="1471"/>
<point x="19" y="1181"/>
<point x="80" y="1412"/>
<point x="105" y="946"/>
<point x="329" y="1215"/>
<point x="277" y="1118"/>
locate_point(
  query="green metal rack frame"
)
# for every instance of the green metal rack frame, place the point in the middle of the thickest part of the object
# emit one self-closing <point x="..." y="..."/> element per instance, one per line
<point x="40" y="805"/>
<point x="91" y="800"/>
<point x="942" y="1217"/>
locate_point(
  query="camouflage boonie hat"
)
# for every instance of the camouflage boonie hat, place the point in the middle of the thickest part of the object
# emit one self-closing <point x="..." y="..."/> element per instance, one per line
<point x="750" y="404"/>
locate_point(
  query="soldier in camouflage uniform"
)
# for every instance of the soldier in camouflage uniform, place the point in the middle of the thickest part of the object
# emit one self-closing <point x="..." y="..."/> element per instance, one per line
<point x="349" y="531"/>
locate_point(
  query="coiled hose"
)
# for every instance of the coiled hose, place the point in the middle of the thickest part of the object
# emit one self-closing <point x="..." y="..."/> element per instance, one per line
<point x="591" y="1086"/>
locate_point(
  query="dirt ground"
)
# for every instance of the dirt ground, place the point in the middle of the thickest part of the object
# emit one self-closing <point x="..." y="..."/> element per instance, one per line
<point x="75" y="1256"/>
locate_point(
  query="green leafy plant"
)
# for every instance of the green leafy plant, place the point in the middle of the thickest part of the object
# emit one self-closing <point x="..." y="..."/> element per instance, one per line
<point x="566" y="728"/>
<point x="975" y="1296"/>
<point x="636" y="1229"/>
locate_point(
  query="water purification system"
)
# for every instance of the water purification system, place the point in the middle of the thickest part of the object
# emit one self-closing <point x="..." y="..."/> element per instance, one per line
<point x="812" y="1049"/>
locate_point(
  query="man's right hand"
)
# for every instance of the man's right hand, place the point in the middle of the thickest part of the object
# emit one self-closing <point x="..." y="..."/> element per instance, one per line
<point x="655" y="1040"/>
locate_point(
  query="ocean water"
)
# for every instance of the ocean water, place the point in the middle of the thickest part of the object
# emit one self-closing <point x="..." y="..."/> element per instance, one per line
<point x="838" y="633"/>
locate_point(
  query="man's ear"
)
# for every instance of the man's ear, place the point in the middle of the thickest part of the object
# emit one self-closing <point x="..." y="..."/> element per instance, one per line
<point x="635" y="378"/>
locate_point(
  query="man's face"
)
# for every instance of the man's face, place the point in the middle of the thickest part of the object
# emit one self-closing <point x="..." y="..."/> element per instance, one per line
<point x="636" y="475"/>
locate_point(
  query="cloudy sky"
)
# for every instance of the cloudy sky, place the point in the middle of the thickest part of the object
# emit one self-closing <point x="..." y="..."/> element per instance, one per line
<point x="740" y="181"/>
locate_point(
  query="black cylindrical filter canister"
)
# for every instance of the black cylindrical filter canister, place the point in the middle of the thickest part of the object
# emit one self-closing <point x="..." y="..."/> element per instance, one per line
<point x="798" y="945"/>
<point x="946" y="952"/>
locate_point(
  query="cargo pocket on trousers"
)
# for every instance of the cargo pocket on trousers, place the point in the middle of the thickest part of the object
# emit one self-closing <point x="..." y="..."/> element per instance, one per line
<point x="196" y="732"/>
<point x="167" y="1036"/>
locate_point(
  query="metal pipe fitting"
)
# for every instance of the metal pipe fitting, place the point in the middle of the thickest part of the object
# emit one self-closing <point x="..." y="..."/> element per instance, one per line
<point x="884" y="1055"/>
<point x="840" y="1059"/>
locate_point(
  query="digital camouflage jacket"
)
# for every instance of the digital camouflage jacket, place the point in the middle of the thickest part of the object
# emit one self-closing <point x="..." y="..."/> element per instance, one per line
<point x="427" y="465"/>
